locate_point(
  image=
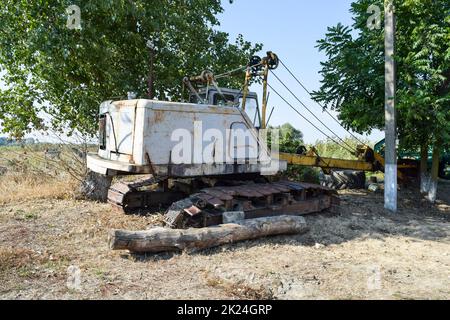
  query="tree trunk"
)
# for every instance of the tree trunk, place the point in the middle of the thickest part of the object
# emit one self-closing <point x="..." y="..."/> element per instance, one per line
<point x="94" y="187"/>
<point x="424" y="176"/>
<point x="432" y="190"/>
<point x="163" y="239"/>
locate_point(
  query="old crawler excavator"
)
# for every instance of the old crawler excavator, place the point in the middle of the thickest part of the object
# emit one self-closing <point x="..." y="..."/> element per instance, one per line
<point x="208" y="156"/>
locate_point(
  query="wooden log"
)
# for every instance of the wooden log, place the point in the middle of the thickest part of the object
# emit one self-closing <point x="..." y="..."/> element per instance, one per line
<point x="164" y="239"/>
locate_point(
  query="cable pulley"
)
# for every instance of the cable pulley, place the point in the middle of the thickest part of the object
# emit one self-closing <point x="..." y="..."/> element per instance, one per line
<point x="272" y="60"/>
<point x="260" y="67"/>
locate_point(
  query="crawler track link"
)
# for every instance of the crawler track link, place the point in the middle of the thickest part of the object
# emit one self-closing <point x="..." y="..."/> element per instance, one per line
<point x="251" y="200"/>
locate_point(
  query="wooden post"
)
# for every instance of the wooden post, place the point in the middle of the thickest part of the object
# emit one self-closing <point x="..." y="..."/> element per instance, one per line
<point x="246" y="83"/>
<point x="390" y="182"/>
<point x="264" y="98"/>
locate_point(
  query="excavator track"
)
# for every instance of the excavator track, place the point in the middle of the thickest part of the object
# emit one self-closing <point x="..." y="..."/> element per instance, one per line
<point x="141" y="194"/>
<point x="199" y="206"/>
<point x="216" y="205"/>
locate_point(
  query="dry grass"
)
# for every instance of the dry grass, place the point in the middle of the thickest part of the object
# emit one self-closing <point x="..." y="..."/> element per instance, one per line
<point x="17" y="264"/>
<point x="29" y="174"/>
<point x="23" y="186"/>
<point x="239" y="291"/>
<point x="15" y="258"/>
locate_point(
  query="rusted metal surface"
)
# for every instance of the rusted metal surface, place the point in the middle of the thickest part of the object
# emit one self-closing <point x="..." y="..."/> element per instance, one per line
<point x="130" y="197"/>
<point x="211" y="200"/>
<point x="121" y="187"/>
<point x="192" y="211"/>
<point x="115" y="197"/>
<point x="137" y="128"/>
<point x="254" y="199"/>
<point x="205" y="205"/>
<point x="219" y="193"/>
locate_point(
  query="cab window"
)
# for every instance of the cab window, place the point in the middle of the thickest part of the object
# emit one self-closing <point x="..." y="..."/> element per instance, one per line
<point x="251" y="108"/>
<point x="223" y="100"/>
<point x="193" y="98"/>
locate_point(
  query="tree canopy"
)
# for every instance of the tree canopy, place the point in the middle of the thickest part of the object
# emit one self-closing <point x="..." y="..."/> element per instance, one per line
<point x="353" y="74"/>
<point x="66" y="72"/>
<point x="290" y="138"/>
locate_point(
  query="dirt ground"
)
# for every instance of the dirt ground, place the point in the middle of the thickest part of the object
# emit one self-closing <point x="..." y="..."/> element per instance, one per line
<point x="57" y="249"/>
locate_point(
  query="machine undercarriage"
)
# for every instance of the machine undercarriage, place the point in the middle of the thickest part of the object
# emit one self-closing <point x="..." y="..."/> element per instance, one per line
<point x="203" y="202"/>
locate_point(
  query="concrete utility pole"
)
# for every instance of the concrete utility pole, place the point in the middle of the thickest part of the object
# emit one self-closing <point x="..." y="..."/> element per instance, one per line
<point x="151" y="75"/>
<point x="390" y="167"/>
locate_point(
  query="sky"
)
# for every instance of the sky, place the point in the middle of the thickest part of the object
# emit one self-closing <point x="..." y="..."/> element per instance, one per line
<point x="291" y="28"/>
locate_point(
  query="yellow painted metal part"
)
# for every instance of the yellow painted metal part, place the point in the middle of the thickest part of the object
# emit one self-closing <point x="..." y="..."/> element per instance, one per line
<point x="247" y="80"/>
<point x="380" y="159"/>
<point x="310" y="160"/>
<point x="326" y="163"/>
<point x="264" y="98"/>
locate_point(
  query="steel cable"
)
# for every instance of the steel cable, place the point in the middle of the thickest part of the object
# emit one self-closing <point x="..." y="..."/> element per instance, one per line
<point x="323" y="108"/>
<point x="307" y="120"/>
<point x="312" y="113"/>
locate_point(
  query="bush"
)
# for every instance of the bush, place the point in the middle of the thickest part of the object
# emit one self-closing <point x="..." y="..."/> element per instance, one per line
<point x="328" y="148"/>
<point x="303" y="174"/>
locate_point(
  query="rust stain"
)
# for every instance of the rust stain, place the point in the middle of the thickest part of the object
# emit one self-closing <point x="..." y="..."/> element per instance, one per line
<point x="192" y="211"/>
<point x="124" y="103"/>
<point x="159" y="116"/>
<point x="222" y="110"/>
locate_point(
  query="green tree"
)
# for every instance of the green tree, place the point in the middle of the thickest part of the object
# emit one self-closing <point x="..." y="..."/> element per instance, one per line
<point x="65" y="72"/>
<point x="291" y="139"/>
<point x="328" y="148"/>
<point x="353" y="75"/>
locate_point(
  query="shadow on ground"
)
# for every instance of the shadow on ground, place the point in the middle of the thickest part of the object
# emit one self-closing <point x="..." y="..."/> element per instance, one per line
<point x="361" y="216"/>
